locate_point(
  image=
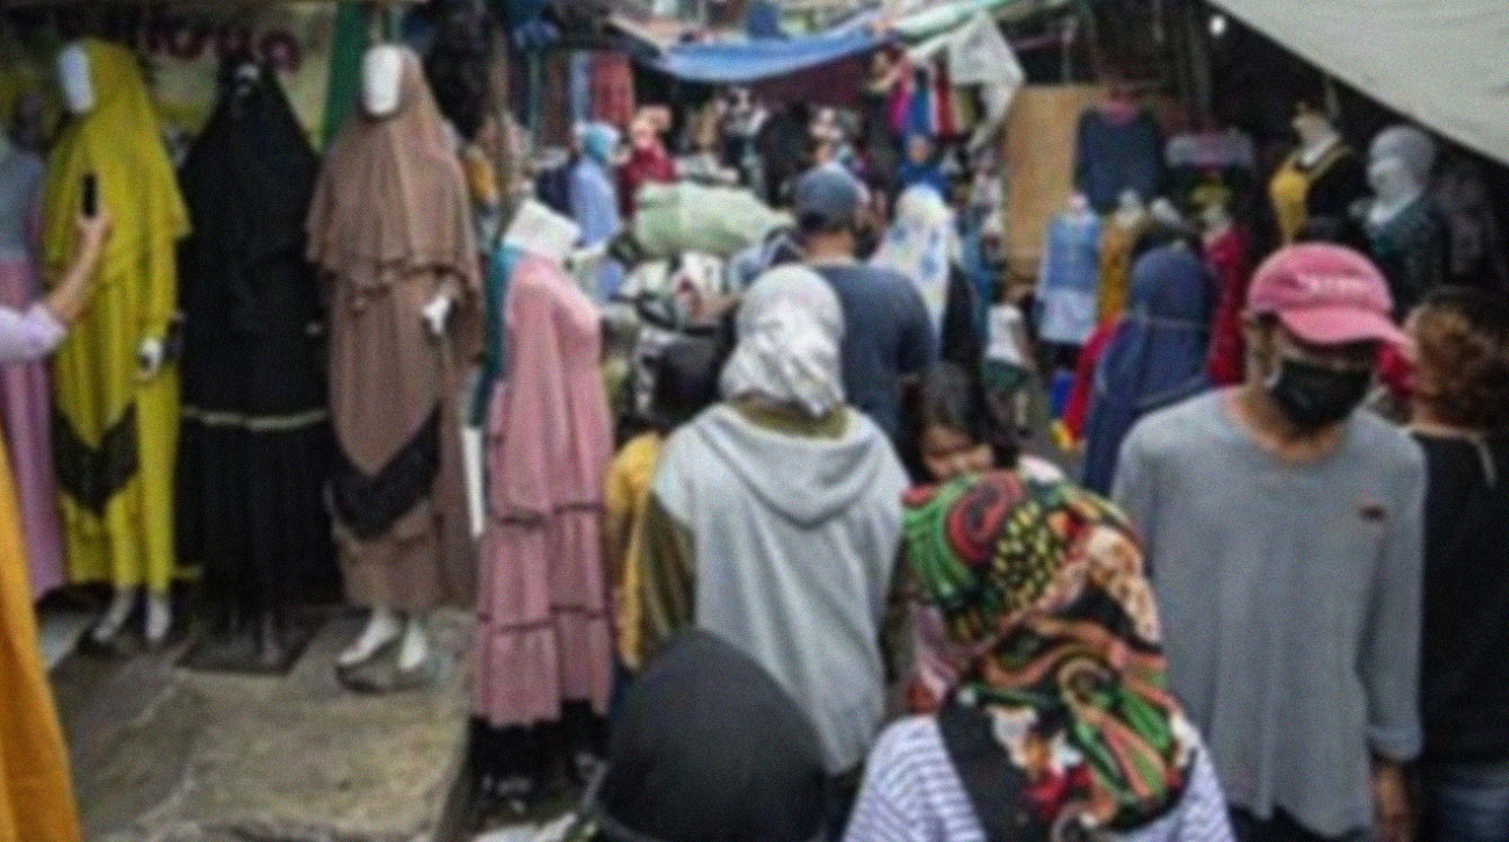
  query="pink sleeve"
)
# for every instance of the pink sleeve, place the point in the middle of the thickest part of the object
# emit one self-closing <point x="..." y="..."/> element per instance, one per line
<point x="28" y="336"/>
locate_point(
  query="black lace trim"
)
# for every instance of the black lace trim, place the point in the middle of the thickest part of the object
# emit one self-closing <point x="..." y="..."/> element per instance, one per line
<point x="93" y="476"/>
<point x="369" y="506"/>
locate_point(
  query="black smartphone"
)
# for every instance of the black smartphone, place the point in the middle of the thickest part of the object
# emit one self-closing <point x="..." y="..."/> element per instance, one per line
<point x="91" y="195"/>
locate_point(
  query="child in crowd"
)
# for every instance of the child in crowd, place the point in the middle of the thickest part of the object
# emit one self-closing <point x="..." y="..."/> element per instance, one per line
<point x="686" y="382"/>
<point x="955" y="436"/>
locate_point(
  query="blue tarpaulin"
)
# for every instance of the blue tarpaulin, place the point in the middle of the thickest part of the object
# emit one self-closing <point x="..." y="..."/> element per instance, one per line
<point x="746" y="62"/>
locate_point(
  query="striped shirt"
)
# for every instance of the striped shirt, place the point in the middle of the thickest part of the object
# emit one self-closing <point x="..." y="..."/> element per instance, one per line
<point x="911" y="793"/>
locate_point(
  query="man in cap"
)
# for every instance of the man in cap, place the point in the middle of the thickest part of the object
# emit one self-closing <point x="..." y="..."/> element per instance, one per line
<point x="888" y="335"/>
<point x="1284" y="532"/>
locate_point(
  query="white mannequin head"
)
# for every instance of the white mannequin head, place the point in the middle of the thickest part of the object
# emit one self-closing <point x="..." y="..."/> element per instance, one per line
<point x="1130" y="210"/>
<point x="382" y="74"/>
<point x="1399" y="163"/>
<point x="540" y="231"/>
<point x="1079" y="204"/>
<point x="73" y="73"/>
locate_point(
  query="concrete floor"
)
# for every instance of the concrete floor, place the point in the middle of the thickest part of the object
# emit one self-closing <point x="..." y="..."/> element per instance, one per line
<point x="162" y="754"/>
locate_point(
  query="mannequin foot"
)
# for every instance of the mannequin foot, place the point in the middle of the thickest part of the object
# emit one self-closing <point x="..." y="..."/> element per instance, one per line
<point x="159" y="618"/>
<point x="414" y="652"/>
<point x="270" y="651"/>
<point x="115" y="617"/>
<point x="381" y="630"/>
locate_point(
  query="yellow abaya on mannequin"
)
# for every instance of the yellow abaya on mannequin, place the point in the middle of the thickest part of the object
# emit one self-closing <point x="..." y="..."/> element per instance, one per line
<point x="115" y="429"/>
<point x="36" y="797"/>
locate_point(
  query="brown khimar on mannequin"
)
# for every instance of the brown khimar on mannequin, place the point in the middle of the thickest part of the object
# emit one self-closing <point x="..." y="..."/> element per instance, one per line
<point x="390" y="229"/>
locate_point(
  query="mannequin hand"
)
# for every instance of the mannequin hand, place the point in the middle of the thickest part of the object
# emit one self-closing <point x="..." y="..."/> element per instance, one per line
<point x="437" y="313"/>
<point x="586" y="259"/>
<point x="149" y="358"/>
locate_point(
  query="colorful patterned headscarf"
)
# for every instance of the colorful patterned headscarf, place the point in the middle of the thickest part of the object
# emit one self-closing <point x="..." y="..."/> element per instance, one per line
<point x="1043" y="584"/>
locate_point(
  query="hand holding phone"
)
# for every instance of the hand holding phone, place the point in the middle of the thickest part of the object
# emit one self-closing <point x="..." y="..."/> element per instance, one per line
<point x="91" y="189"/>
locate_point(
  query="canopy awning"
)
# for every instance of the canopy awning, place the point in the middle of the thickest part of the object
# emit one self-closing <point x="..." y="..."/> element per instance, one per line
<point x="745" y="62"/>
<point x="1439" y="63"/>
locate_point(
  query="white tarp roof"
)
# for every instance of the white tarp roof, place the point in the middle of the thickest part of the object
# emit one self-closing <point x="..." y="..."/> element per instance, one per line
<point x="1440" y="62"/>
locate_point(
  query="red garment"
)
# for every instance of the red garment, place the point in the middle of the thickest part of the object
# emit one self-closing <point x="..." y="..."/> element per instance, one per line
<point x="945" y="121"/>
<point x="612" y="88"/>
<point x="1228" y="259"/>
<point x="645" y="166"/>
<point x="1078" y="407"/>
<point x="1397" y="373"/>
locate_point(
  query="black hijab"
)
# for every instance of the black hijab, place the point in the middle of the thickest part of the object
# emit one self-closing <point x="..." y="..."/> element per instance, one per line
<point x="708" y="748"/>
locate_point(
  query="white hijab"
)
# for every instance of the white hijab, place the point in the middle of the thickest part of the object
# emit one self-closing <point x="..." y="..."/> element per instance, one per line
<point x="922" y="245"/>
<point x="790" y="326"/>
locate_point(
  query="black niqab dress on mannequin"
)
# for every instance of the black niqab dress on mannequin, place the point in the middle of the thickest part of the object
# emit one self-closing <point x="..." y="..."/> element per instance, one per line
<point x="256" y="437"/>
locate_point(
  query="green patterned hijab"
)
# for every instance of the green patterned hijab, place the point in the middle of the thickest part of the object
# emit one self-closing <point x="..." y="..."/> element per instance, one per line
<point x="1066" y="682"/>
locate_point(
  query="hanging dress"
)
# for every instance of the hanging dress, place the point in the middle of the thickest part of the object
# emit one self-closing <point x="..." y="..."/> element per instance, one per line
<point x="25" y="388"/>
<point x="115" y="432"/>
<point x="255" y="425"/>
<point x="543" y="635"/>
<point x="390" y="228"/>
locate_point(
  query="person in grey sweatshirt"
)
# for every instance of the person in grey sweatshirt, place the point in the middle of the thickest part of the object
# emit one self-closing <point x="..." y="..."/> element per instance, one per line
<point x="775" y="518"/>
<point x="1283" y="525"/>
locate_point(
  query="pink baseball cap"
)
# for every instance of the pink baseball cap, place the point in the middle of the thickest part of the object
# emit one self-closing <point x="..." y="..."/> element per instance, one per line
<point x="1326" y="295"/>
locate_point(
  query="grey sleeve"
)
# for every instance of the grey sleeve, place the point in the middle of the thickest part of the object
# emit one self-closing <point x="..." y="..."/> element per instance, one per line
<point x="1389" y="661"/>
<point x="1135" y="491"/>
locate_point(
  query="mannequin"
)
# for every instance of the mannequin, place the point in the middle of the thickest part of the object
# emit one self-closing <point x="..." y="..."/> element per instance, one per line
<point x="114" y="442"/>
<point x="543" y="639"/>
<point x="390" y="221"/>
<point x="1119" y="239"/>
<point x="1069" y="279"/>
<point x="1406" y="232"/>
<point x="252" y="466"/>
<point x="1321" y="180"/>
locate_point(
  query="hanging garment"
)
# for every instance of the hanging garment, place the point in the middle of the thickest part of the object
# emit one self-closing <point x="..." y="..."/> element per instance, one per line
<point x="1202" y="160"/>
<point x="1326" y="189"/>
<point x="114" y="432"/>
<point x="1476" y="244"/>
<point x="390" y="228"/>
<point x="1155" y="358"/>
<point x="36" y="798"/>
<point x="1229" y="259"/>
<point x="1069" y="279"/>
<point x="594" y="202"/>
<point x="25" y="388"/>
<point x="543" y="635"/>
<point x="256" y="435"/>
<point x="612" y="86"/>
<point x="1112" y="157"/>
<point x="1410" y="249"/>
<point x="1116" y="246"/>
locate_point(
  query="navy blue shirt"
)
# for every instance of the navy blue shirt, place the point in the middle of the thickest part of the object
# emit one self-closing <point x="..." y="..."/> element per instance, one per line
<point x="887" y="335"/>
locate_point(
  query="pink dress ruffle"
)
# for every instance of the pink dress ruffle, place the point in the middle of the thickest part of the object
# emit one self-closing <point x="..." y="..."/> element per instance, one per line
<point x="543" y="634"/>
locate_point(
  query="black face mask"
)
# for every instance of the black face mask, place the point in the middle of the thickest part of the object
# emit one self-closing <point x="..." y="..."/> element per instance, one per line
<point x="1313" y="397"/>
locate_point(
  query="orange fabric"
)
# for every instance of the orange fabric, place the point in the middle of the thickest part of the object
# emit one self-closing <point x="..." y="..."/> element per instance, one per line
<point x="36" y="801"/>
